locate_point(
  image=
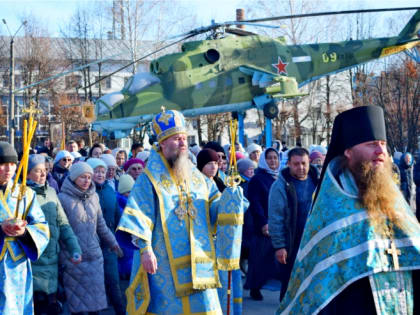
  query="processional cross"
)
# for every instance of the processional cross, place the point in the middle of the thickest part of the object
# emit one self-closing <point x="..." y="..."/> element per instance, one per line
<point x="31" y="110"/>
<point x="395" y="252"/>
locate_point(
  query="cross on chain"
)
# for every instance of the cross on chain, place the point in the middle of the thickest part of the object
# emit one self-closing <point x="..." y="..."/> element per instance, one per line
<point x="395" y="252"/>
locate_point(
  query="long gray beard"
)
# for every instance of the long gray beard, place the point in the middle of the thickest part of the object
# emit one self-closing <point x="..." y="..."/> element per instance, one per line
<point x="182" y="167"/>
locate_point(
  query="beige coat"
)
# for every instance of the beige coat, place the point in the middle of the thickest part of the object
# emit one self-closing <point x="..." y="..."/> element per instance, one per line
<point x="84" y="283"/>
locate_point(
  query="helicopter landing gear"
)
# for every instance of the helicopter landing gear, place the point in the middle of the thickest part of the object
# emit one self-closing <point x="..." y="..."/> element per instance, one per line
<point x="271" y="110"/>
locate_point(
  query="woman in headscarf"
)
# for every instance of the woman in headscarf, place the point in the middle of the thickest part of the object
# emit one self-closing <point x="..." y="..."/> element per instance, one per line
<point x="246" y="168"/>
<point x="262" y="265"/>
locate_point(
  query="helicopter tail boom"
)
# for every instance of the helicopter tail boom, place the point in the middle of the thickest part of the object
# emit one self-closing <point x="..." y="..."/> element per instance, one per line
<point x="412" y="28"/>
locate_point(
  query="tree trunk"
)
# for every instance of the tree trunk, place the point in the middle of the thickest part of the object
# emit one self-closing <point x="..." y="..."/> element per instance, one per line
<point x="199" y="130"/>
<point x="328" y="111"/>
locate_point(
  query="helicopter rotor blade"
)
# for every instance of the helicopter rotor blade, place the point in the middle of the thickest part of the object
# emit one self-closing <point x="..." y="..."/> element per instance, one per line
<point x="295" y="16"/>
<point x="238" y="32"/>
<point x="214" y="26"/>
<point x="251" y="24"/>
<point x="135" y="61"/>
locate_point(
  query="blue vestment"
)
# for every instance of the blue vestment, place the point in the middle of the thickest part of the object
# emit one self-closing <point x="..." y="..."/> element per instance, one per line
<point x="15" y="268"/>
<point x="187" y="276"/>
<point x="230" y="219"/>
<point x="339" y="247"/>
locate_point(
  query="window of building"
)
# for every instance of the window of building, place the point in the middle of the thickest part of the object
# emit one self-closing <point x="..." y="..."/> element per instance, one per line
<point x="191" y="139"/>
<point x="105" y="83"/>
<point x="73" y="81"/>
<point x="6" y="78"/>
<point x="125" y="80"/>
<point x="18" y="81"/>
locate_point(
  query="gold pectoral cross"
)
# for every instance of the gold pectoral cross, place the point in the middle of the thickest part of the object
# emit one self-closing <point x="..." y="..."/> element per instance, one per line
<point x="395" y="252"/>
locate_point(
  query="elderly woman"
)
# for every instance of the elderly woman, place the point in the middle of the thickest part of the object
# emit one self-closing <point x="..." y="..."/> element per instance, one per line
<point x="84" y="283"/>
<point x="254" y="152"/>
<point x="111" y="213"/>
<point x="45" y="269"/>
<point x="111" y="172"/>
<point x="62" y="162"/>
<point x="246" y="169"/>
<point x="134" y="167"/>
<point x="262" y="265"/>
<point x="316" y="159"/>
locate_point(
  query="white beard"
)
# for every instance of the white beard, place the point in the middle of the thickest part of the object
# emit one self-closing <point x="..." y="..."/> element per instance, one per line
<point x="182" y="167"/>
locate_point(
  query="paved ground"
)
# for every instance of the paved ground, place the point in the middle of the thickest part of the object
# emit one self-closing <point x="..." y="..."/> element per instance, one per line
<point x="250" y="307"/>
<point x="266" y="307"/>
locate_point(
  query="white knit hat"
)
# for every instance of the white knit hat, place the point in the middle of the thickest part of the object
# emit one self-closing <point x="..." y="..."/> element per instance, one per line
<point x="95" y="162"/>
<point x="125" y="184"/>
<point x="109" y="160"/>
<point x="253" y="147"/>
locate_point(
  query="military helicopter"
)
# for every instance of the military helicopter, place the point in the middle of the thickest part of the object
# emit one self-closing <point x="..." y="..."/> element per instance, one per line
<point x="236" y="73"/>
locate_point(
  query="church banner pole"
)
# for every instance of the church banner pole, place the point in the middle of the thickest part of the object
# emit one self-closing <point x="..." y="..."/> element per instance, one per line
<point x="228" y="291"/>
<point x="268" y="132"/>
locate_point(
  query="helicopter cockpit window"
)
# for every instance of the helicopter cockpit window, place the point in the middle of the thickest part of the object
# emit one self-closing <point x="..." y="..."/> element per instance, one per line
<point x="139" y="81"/>
<point x="107" y="101"/>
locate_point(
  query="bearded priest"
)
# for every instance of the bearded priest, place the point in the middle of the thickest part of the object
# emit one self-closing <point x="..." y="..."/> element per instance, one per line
<point x="170" y="218"/>
<point x="360" y="251"/>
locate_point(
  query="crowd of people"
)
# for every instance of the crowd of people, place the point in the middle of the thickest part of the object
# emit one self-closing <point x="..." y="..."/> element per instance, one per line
<point x="93" y="243"/>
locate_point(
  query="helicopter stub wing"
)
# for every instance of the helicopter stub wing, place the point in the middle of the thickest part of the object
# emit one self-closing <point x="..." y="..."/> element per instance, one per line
<point x="260" y="77"/>
<point x="276" y="86"/>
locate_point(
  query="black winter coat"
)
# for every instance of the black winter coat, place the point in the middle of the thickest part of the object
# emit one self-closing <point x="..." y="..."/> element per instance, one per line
<point x="258" y="191"/>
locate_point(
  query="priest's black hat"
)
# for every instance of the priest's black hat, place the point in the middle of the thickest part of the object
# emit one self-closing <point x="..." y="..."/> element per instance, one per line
<point x="353" y="127"/>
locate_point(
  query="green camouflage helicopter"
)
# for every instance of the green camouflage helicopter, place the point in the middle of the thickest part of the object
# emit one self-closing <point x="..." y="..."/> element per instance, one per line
<point x="236" y="73"/>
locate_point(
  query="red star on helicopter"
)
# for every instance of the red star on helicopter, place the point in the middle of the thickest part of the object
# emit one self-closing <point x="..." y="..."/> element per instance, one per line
<point x="280" y="66"/>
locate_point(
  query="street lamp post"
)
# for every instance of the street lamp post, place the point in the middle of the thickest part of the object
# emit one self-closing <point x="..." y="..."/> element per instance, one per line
<point x="11" y="108"/>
